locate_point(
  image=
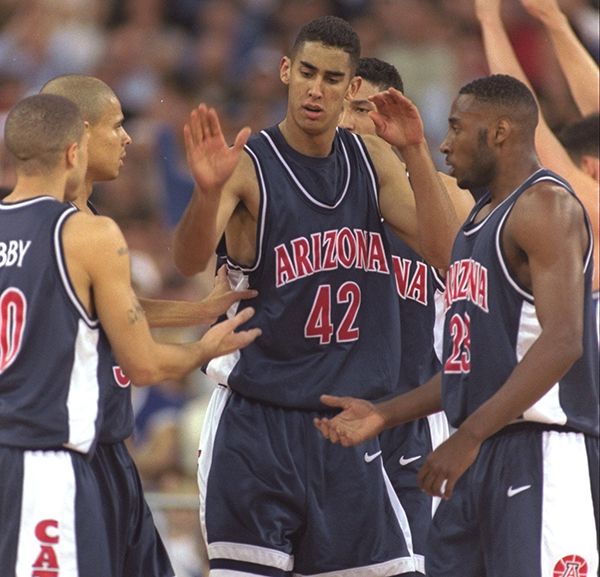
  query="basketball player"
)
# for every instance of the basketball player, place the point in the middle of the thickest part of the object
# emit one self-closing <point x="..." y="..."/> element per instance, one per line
<point x="65" y="301"/>
<point x="520" y="364"/>
<point x="580" y="70"/>
<point x="301" y="207"/>
<point x="420" y="291"/>
<point x="136" y="546"/>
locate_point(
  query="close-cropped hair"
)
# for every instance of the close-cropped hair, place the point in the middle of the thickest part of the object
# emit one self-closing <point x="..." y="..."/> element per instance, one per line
<point x="89" y="93"/>
<point x="506" y="93"/>
<point x="379" y="73"/>
<point x="331" y="31"/>
<point x="582" y="137"/>
<point x="39" y="129"/>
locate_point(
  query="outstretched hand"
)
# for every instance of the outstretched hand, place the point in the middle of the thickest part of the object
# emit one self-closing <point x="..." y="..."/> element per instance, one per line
<point x="358" y="422"/>
<point x="210" y="159"/>
<point x="444" y="466"/>
<point x="541" y="9"/>
<point x="488" y="9"/>
<point x="221" y="338"/>
<point x="222" y="297"/>
<point x="397" y="119"/>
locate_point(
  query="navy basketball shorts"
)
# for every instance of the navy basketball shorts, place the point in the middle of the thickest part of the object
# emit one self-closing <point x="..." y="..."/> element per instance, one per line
<point x="276" y="498"/>
<point x="527" y="507"/>
<point x="136" y="549"/>
<point x="405" y="449"/>
<point x="51" y="519"/>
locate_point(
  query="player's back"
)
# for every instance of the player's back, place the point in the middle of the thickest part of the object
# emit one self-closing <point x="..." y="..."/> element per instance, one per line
<point x="49" y="345"/>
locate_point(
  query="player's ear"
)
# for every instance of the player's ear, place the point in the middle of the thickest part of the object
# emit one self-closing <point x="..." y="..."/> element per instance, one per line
<point x="285" y="67"/>
<point x="501" y="130"/>
<point x="591" y="166"/>
<point x="71" y="155"/>
<point x="354" y="87"/>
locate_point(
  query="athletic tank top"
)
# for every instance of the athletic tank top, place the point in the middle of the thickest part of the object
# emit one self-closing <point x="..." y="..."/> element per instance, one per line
<point x="118" y="421"/>
<point x="419" y="289"/>
<point x="326" y="303"/>
<point x="491" y="323"/>
<point x="50" y="395"/>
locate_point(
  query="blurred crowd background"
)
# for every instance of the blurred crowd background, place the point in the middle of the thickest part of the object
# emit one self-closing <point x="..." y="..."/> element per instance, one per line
<point x="164" y="57"/>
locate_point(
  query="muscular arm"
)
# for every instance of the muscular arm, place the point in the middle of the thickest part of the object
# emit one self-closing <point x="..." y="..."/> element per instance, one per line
<point x="503" y="60"/>
<point x="427" y="222"/>
<point x="162" y="313"/>
<point x="577" y="64"/>
<point x="99" y="268"/>
<point x="212" y="164"/>
<point x="547" y="226"/>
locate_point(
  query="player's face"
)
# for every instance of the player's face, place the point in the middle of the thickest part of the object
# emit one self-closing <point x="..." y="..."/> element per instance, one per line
<point x="472" y="162"/>
<point x="318" y="78"/>
<point x="355" y="114"/>
<point x="108" y="140"/>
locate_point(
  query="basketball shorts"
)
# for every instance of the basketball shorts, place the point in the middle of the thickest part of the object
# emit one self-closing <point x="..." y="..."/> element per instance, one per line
<point x="51" y="519"/>
<point x="276" y="498"/>
<point x="405" y="449"/>
<point x="136" y="549"/>
<point x="527" y="507"/>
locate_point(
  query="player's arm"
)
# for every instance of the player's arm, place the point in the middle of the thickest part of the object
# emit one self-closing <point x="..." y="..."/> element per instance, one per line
<point x="360" y="420"/>
<point x="578" y="66"/>
<point x="162" y="313"/>
<point x="431" y="225"/>
<point x="502" y="59"/>
<point x="217" y="190"/>
<point x="547" y="228"/>
<point x="98" y="264"/>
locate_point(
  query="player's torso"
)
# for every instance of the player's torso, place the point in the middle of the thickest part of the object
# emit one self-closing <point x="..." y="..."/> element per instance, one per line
<point x="49" y="346"/>
<point x="491" y="322"/>
<point x="326" y="304"/>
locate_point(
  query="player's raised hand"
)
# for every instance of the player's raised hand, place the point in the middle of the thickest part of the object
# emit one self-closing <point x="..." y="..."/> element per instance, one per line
<point x="488" y="9"/>
<point x="210" y="159"/>
<point x="541" y="9"/>
<point x="359" y="421"/>
<point x="222" y="297"/>
<point x="397" y="119"/>
<point x="221" y="338"/>
<point x="444" y="466"/>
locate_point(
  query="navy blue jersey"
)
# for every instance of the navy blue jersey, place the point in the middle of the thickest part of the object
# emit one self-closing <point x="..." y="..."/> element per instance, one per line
<point x="419" y="289"/>
<point x="326" y="302"/>
<point x="491" y="323"/>
<point x="118" y="419"/>
<point x="50" y="395"/>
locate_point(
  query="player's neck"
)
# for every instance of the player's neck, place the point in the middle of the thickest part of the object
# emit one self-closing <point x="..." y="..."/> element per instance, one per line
<point x="507" y="180"/>
<point x="28" y="187"/>
<point x="83" y="194"/>
<point x="318" y="145"/>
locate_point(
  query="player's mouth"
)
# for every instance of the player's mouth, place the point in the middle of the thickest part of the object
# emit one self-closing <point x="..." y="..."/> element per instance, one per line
<point x="451" y="170"/>
<point x="313" y="111"/>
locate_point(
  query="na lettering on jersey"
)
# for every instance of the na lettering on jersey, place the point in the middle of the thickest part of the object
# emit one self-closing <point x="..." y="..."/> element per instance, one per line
<point x="467" y="280"/>
<point x="411" y="284"/>
<point x="328" y="251"/>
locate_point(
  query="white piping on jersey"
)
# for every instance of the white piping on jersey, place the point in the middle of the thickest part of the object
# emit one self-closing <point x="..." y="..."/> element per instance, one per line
<point x="361" y="147"/>
<point x="22" y="203"/>
<point x="484" y="220"/>
<point x="261" y="225"/>
<point x="302" y="189"/>
<point x="63" y="269"/>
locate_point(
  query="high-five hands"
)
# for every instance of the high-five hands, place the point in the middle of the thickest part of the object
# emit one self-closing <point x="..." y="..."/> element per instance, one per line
<point x="210" y="159"/>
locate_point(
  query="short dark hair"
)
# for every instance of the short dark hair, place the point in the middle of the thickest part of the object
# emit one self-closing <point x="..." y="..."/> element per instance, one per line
<point x="382" y="74"/>
<point x="581" y="138"/>
<point x="89" y="93"/>
<point x="506" y="93"/>
<point x="331" y="31"/>
<point x="38" y="130"/>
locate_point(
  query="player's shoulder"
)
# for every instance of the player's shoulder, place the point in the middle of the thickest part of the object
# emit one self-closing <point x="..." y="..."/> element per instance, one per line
<point x="91" y="230"/>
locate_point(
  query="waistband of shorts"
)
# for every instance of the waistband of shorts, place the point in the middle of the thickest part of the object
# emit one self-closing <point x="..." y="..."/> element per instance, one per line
<point x="524" y="426"/>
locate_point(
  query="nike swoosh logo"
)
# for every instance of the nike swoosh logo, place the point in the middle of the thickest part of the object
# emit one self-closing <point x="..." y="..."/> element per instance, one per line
<point x="369" y="458"/>
<point x="512" y="492"/>
<point x="404" y="461"/>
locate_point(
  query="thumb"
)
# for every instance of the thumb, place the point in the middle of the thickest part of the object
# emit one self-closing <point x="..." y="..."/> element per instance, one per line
<point x="242" y="138"/>
<point x="330" y="400"/>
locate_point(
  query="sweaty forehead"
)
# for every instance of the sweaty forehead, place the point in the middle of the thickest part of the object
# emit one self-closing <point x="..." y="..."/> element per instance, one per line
<point x="322" y="57"/>
<point x="467" y="106"/>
